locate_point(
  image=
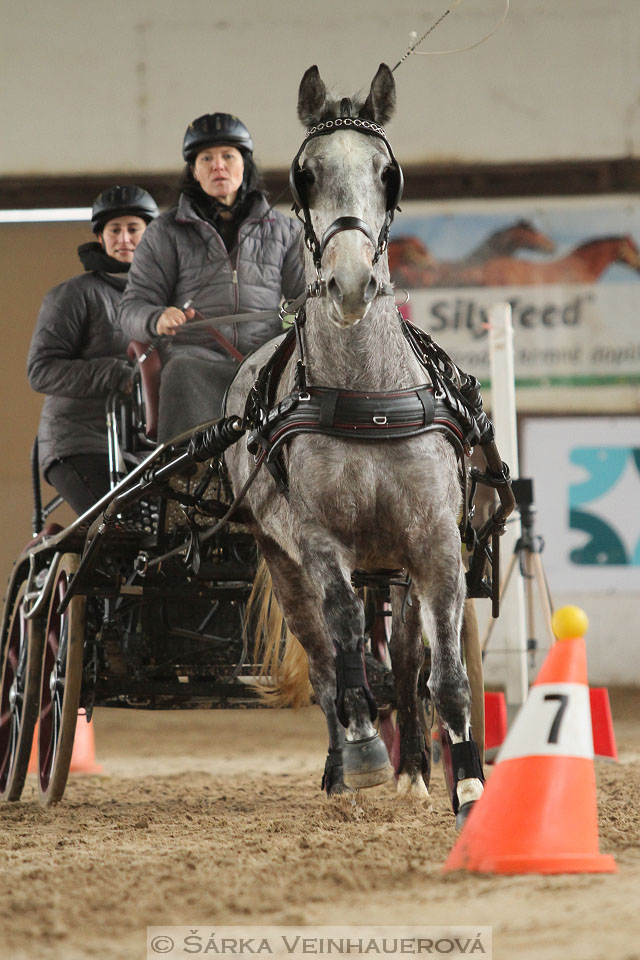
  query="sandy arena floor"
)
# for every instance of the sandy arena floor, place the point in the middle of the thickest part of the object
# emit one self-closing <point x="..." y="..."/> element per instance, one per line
<point x="205" y="818"/>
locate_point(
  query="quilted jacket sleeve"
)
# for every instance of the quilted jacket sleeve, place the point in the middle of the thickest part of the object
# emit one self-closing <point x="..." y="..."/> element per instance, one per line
<point x="151" y="282"/>
<point x="55" y="364"/>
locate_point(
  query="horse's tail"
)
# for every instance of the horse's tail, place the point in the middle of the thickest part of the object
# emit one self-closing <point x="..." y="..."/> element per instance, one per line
<point x="282" y="679"/>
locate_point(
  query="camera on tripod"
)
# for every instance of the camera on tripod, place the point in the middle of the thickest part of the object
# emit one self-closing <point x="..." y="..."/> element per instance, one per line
<point x="528" y="541"/>
<point x="526" y="557"/>
<point x="523" y="493"/>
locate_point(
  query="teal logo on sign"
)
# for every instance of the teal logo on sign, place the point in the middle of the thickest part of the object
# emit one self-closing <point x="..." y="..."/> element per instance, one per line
<point x="606" y="506"/>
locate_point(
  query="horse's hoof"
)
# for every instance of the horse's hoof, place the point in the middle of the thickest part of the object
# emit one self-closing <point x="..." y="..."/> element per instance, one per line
<point x="366" y="762"/>
<point x="463" y="813"/>
<point x="412" y="787"/>
<point x="338" y="789"/>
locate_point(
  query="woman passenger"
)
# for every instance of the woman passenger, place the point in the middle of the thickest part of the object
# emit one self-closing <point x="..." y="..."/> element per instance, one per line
<point x="78" y="356"/>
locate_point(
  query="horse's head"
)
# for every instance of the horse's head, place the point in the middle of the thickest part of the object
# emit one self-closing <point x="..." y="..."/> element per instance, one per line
<point x="347" y="183"/>
<point x="521" y="235"/>
<point x="409" y="250"/>
<point x="526" y="236"/>
<point x="628" y="252"/>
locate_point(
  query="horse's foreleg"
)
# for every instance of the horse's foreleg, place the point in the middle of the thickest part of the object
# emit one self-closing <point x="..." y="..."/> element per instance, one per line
<point x="442" y="610"/>
<point x="300" y="602"/>
<point x="365" y="758"/>
<point x="407" y="655"/>
<point x="470" y="646"/>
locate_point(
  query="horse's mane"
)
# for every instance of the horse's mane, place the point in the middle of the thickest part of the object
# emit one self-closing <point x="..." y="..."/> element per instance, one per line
<point x="333" y="109"/>
<point x="610" y="238"/>
<point x="315" y="105"/>
<point x="521" y="224"/>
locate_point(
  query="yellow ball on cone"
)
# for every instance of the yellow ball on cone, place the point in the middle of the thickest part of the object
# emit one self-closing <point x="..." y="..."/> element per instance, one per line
<point x="569" y="622"/>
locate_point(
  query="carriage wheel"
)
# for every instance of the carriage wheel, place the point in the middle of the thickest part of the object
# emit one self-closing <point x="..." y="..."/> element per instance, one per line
<point x="472" y="654"/>
<point x="19" y="695"/>
<point x="60" y="685"/>
<point x="380" y="640"/>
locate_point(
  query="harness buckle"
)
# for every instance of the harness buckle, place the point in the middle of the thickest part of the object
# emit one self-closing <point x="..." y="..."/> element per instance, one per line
<point x="304" y="397"/>
<point x="380" y="421"/>
<point x="317" y="288"/>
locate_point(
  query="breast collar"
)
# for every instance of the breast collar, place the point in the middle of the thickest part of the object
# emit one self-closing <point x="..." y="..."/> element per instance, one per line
<point x="450" y="403"/>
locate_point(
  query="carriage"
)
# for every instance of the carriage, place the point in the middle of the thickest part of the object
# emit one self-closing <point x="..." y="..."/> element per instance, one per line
<point x="128" y="606"/>
<point x="144" y="601"/>
<point x="135" y="605"/>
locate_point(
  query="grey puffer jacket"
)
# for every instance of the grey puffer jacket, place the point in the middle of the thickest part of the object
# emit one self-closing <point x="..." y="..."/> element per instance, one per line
<point x="183" y="257"/>
<point x="77" y="357"/>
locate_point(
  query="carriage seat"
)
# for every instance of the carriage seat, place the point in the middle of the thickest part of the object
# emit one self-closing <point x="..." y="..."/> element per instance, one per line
<point x="49" y="530"/>
<point x="146" y="386"/>
<point x="145" y="399"/>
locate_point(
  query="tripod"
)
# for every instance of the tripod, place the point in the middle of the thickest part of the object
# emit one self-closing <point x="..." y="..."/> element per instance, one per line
<point x="527" y="554"/>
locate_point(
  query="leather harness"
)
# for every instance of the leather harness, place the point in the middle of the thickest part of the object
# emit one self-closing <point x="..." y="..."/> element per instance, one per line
<point x="439" y="405"/>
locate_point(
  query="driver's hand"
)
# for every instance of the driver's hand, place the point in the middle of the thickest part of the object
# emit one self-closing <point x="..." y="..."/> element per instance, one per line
<point x="169" y="321"/>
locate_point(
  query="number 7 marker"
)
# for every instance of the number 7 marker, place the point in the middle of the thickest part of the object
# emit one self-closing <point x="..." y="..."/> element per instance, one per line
<point x="538" y="812"/>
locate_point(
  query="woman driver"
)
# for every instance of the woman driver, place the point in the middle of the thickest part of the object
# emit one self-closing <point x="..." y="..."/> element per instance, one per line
<point x="223" y="249"/>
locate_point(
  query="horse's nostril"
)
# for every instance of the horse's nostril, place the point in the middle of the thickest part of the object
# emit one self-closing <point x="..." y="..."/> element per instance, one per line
<point x="371" y="289"/>
<point x="334" y="290"/>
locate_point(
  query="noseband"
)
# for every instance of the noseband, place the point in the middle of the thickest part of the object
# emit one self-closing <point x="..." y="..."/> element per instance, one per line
<point x="299" y="188"/>
<point x="342" y="224"/>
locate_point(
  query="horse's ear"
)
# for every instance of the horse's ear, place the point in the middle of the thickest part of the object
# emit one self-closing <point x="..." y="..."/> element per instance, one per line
<point x="380" y="105"/>
<point x="311" y="97"/>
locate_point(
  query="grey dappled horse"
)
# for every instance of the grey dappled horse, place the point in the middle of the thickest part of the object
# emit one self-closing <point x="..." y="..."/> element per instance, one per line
<point x="357" y="504"/>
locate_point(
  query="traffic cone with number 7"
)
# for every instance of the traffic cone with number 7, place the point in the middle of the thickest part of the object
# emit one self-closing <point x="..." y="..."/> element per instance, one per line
<point x="538" y="812"/>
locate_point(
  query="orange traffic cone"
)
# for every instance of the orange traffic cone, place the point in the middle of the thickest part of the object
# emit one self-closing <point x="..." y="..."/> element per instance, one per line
<point x="495" y="719"/>
<point x="604" y="739"/>
<point x="83" y="757"/>
<point x="538" y="812"/>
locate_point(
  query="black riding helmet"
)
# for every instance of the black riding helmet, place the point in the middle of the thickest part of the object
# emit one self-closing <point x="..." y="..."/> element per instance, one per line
<point x="118" y="201"/>
<point x="215" y="128"/>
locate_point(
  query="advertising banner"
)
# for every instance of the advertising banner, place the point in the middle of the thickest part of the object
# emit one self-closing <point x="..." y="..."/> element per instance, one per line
<point x="570" y="268"/>
<point x="586" y="473"/>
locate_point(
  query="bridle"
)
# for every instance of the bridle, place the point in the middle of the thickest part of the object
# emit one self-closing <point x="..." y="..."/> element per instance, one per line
<point x="450" y="402"/>
<point x="300" y="192"/>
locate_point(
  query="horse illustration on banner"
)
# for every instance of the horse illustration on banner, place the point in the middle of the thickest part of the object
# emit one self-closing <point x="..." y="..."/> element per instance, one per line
<point x="492" y="264"/>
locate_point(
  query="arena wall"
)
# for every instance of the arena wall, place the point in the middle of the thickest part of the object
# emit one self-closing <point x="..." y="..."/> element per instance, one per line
<point x="94" y="89"/>
<point x="110" y="86"/>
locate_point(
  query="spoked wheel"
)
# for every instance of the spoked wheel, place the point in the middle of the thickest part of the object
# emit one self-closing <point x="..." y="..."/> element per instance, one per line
<point x="380" y="640"/>
<point x="383" y="626"/>
<point x="60" y="685"/>
<point x="22" y="642"/>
